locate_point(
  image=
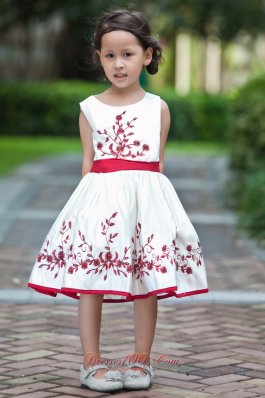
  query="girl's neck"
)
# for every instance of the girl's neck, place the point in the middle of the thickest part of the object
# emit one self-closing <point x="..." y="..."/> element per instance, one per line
<point x="129" y="92"/>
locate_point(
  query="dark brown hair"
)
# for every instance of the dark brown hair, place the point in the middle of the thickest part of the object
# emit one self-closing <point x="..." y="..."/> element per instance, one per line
<point x="133" y="22"/>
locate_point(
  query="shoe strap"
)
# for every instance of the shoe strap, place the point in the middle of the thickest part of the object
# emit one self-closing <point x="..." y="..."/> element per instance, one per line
<point x="149" y="369"/>
<point x="93" y="368"/>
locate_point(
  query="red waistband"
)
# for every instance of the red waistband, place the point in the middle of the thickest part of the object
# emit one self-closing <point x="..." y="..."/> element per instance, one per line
<point x="109" y="165"/>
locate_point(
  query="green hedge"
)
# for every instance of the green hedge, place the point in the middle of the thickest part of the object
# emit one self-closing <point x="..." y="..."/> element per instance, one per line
<point x="247" y="128"/>
<point x="247" y="156"/>
<point x="252" y="205"/>
<point x="51" y="108"/>
<point x="42" y="108"/>
<point x="198" y="117"/>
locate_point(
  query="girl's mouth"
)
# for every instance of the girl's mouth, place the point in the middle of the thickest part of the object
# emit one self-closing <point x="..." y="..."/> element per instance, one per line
<point x="120" y="76"/>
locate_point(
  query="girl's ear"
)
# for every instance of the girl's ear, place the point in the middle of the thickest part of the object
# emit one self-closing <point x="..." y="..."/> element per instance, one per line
<point x="148" y="56"/>
<point x="98" y="52"/>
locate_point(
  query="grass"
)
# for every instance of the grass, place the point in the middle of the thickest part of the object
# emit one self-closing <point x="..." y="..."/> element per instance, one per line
<point x="18" y="150"/>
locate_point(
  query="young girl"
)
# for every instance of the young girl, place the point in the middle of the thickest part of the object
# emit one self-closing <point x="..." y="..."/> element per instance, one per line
<point x="123" y="235"/>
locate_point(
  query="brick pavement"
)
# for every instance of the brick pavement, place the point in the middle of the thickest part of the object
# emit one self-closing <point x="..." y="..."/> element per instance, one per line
<point x="219" y="348"/>
<point x="205" y="350"/>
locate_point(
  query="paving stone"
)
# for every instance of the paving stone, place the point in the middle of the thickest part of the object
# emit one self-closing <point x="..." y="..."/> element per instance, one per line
<point x="38" y="394"/>
<point x="223" y="379"/>
<point x="30" y="379"/>
<point x="29" y="355"/>
<point x="16" y="391"/>
<point x="79" y="392"/>
<point x="179" y="392"/>
<point x="238" y="394"/>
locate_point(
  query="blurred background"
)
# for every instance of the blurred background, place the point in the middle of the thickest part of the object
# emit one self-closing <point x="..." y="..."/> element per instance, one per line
<point x="213" y="80"/>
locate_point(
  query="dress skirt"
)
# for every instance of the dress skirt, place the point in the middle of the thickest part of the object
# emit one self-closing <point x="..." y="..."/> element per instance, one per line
<point x="123" y="234"/>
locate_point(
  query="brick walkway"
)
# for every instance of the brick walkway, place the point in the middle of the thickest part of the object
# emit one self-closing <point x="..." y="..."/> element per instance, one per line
<point x="219" y="348"/>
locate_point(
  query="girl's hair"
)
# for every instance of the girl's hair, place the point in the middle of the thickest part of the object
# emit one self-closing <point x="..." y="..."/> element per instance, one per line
<point x="133" y="22"/>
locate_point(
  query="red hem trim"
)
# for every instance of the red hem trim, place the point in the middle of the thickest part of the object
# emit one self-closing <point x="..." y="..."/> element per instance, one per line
<point x="73" y="293"/>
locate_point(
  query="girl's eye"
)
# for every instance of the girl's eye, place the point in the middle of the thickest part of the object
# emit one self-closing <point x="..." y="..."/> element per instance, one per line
<point x="109" y="55"/>
<point x="127" y="54"/>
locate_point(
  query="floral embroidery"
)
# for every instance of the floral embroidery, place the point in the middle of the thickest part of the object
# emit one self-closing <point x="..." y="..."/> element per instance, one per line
<point x="144" y="258"/>
<point x="120" y="145"/>
<point x="57" y="258"/>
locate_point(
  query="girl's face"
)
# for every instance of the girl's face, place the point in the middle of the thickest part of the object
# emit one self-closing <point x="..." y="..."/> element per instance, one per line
<point x="122" y="58"/>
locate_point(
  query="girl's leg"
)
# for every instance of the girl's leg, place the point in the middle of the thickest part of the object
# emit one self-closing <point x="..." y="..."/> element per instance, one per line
<point x="145" y="316"/>
<point x="89" y="316"/>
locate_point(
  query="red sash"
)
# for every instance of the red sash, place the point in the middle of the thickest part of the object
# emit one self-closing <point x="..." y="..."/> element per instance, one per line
<point x="109" y="165"/>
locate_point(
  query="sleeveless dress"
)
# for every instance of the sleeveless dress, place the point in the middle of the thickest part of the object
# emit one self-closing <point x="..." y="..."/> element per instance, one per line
<point x="123" y="232"/>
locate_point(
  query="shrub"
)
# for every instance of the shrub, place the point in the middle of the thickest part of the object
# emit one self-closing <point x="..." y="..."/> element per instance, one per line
<point x="51" y="108"/>
<point x="247" y="130"/>
<point x="42" y="108"/>
<point x="247" y="156"/>
<point x="252" y="206"/>
<point x="197" y="117"/>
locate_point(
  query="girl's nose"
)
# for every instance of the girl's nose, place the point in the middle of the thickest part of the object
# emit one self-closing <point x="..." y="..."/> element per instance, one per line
<point x="119" y="63"/>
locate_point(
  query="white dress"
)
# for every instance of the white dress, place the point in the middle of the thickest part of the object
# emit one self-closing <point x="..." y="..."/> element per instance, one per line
<point x="123" y="232"/>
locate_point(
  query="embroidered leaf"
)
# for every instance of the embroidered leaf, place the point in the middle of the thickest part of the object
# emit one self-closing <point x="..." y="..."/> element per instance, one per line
<point x="105" y="277"/>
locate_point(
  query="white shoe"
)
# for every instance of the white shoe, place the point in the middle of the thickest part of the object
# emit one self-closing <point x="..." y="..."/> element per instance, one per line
<point x="112" y="378"/>
<point x="133" y="379"/>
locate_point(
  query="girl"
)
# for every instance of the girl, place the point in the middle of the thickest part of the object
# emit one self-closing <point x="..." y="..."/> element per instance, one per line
<point x="123" y="235"/>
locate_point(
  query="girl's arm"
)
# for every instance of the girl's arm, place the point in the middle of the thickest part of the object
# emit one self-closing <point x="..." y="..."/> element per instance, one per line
<point x="165" y="124"/>
<point x="87" y="142"/>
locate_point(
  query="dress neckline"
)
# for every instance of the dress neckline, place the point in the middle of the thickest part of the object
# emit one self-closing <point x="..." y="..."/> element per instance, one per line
<point x="120" y="106"/>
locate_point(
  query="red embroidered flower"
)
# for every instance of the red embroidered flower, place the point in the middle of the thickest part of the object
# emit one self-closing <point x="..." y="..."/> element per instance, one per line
<point x="99" y="145"/>
<point x="108" y="256"/>
<point x="61" y="255"/>
<point x="189" y="270"/>
<point x="118" y="117"/>
<point x="120" y="130"/>
<point x="163" y="269"/>
<point x="145" y="147"/>
<point x="189" y="248"/>
<point x="164" y="248"/>
<point x="84" y="264"/>
<point x="136" y="143"/>
<point x="70" y="270"/>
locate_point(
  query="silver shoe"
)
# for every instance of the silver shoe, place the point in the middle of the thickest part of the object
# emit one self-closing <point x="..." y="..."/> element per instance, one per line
<point x="112" y="380"/>
<point x="133" y="380"/>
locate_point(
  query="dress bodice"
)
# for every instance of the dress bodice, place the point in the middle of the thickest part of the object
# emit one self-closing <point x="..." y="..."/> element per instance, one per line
<point x="130" y="132"/>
